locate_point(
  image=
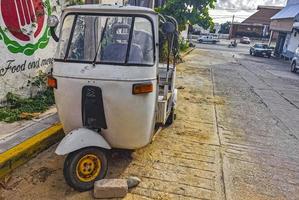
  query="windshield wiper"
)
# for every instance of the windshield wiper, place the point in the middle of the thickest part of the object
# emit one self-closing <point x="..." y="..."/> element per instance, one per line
<point x="100" y="45"/>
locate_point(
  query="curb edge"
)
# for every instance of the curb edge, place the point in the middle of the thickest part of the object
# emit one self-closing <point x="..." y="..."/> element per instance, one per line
<point x="28" y="149"/>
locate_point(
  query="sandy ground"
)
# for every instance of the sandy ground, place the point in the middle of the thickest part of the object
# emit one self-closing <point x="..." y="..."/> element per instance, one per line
<point x="228" y="141"/>
<point x="182" y="162"/>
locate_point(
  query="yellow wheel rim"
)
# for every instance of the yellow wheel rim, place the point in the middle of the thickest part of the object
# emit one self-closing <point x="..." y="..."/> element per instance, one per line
<point x="88" y="168"/>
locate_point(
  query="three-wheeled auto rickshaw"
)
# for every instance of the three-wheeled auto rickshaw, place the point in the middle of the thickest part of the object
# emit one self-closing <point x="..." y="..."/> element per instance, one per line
<point x="110" y="90"/>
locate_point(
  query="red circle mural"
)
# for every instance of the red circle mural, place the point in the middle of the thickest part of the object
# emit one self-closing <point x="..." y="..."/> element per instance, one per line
<point x="24" y="19"/>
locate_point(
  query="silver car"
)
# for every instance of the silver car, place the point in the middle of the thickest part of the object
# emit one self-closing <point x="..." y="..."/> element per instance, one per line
<point x="295" y="61"/>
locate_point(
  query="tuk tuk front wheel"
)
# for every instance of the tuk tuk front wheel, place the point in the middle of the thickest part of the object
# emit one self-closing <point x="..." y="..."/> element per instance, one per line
<point x="85" y="166"/>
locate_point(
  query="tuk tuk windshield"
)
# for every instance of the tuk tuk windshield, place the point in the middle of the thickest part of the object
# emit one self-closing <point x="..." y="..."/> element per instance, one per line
<point x="121" y="40"/>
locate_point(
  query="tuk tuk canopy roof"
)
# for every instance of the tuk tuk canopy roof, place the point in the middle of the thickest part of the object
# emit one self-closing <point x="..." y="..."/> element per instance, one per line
<point x="113" y="9"/>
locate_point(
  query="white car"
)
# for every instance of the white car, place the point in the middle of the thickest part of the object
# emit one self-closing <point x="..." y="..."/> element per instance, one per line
<point x="295" y="61"/>
<point x="208" y="39"/>
<point x="245" y="40"/>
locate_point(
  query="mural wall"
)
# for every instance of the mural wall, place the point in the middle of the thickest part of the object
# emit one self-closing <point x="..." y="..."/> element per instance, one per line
<point x="26" y="47"/>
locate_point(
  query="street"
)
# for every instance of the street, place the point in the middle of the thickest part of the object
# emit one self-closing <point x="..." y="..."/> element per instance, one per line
<point x="235" y="138"/>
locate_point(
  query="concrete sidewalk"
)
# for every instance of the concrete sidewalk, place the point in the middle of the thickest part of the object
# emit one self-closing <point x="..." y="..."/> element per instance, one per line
<point x="19" y="143"/>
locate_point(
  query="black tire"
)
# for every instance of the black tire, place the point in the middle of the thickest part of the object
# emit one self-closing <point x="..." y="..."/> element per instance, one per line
<point x="269" y="56"/>
<point x="250" y="52"/>
<point x="171" y="117"/>
<point x="200" y="41"/>
<point x="71" y="163"/>
<point x="293" y="67"/>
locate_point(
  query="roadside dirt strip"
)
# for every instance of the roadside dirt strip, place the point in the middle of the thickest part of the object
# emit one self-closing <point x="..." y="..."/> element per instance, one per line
<point x="184" y="161"/>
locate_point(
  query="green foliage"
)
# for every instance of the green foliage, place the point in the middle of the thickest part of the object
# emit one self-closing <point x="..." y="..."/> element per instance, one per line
<point x="189" y="11"/>
<point x="163" y="53"/>
<point x="38" y="81"/>
<point x="19" y="108"/>
<point x="224" y="28"/>
<point x="213" y="30"/>
<point x="26" y="108"/>
<point x="75" y="2"/>
<point x="184" y="45"/>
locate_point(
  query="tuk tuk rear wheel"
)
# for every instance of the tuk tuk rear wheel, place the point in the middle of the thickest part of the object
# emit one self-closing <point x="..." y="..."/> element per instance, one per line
<point x="171" y="117"/>
<point x="85" y="166"/>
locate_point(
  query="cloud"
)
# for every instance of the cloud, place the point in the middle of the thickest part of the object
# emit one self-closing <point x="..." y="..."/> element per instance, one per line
<point x="247" y="4"/>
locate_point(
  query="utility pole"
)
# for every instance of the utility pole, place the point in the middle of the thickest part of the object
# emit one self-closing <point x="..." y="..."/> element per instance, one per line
<point x="270" y="39"/>
<point x="231" y="28"/>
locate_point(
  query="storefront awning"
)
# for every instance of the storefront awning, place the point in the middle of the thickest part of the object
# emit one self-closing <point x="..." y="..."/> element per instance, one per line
<point x="282" y="25"/>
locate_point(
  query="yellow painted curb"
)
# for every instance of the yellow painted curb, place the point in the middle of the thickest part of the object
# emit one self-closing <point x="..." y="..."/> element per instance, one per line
<point x="28" y="149"/>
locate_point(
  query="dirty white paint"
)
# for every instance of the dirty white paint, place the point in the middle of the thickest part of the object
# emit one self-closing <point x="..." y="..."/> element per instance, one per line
<point x="21" y="29"/>
<point x="119" y="2"/>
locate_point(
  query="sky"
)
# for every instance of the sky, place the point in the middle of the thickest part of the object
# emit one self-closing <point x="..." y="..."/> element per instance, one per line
<point x="242" y="9"/>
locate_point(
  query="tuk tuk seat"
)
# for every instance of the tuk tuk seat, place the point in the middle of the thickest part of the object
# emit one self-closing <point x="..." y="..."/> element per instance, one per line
<point x="117" y="53"/>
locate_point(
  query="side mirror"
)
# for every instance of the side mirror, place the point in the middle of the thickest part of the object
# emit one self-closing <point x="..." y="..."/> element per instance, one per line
<point x="53" y="21"/>
<point x="168" y="27"/>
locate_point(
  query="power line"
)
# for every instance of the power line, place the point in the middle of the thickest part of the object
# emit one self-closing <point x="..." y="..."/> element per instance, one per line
<point x="228" y="17"/>
<point x="235" y="9"/>
<point x="231" y="27"/>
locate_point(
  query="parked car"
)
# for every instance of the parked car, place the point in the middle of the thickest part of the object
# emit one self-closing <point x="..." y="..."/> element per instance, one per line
<point x="295" y="61"/>
<point x="260" y="50"/>
<point x="245" y="40"/>
<point x="208" y="39"/>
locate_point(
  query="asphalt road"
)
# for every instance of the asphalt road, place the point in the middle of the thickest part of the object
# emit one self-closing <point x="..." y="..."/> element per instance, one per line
<point x="223" y="46"/>
<point x="235" y="138"/>
<point x="259" y="124"/>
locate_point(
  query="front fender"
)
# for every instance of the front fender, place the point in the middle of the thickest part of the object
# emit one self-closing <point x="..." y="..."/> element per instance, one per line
<point x="81" y="138"/>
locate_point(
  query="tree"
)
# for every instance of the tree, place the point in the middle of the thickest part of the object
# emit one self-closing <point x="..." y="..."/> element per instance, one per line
<point x="224" y="28"/>
<point x="189" y="12"/>
<point x="212" y="30"/>
<point x="74" y="2"/>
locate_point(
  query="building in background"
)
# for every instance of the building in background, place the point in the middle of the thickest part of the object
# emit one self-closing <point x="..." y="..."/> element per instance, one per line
<point x="286" y="25"/>
<point x="257" y="25"/>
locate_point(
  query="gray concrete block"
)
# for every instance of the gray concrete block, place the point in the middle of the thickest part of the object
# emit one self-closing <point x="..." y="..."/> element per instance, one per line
<point x="110" y="188"/>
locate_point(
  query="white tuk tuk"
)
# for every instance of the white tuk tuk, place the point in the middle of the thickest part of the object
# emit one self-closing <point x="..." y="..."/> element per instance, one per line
<point x="110" y="90"/>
